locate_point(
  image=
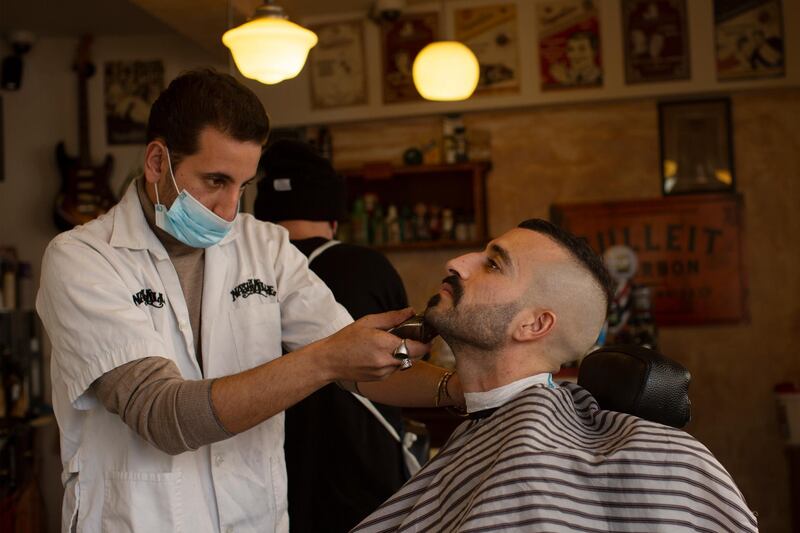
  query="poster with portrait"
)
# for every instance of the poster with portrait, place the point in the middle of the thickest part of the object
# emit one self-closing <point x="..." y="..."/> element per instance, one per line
<point x="569" y="44"/>
<point x="491" y="33"/>
<point x="131" y="87"/>
<point x="656" y="40"/>
<point x="337" y="65"/>
<point x="749" y="39"/>
<point x="402" y="40"/>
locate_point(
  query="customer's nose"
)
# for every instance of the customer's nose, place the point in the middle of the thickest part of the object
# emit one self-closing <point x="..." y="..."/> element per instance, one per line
<point x="463" y="265"/>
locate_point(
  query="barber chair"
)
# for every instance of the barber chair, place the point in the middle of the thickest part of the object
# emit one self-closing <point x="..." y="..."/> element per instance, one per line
<point x="638" y="381"/>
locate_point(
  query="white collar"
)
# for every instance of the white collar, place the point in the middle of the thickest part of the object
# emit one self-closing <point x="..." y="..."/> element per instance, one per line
<point x="492" y="399"/>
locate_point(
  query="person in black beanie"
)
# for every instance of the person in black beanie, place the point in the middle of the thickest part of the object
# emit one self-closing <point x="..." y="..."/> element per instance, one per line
<point x="344" y="455"/>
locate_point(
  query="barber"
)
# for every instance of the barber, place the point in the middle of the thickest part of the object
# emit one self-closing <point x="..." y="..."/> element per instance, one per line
<point x="168" y="316"/>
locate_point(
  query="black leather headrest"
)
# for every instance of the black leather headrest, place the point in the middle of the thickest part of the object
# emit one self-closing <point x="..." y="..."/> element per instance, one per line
<point x="638" y="381"/>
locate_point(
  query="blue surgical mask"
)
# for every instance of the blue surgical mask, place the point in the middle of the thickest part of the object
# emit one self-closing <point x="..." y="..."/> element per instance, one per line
<point x="188" y="220"/>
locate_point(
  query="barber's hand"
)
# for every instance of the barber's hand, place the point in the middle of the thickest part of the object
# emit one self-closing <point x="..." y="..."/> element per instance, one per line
<point x="363" y="350"/>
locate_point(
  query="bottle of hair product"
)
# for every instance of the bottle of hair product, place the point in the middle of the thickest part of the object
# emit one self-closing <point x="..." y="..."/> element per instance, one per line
<point x="406" y="224"/>
<point x="450" y="125"/>
<point x="378" y="222"/>
<point x="393" y="233"/>
<point x="359" y="222"/>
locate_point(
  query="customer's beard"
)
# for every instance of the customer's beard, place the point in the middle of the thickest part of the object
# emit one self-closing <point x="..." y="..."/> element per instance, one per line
<point x="476" y="326"/>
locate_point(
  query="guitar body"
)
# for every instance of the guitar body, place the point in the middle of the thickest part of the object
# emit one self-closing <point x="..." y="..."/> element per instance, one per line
<point x="85" y="193"/>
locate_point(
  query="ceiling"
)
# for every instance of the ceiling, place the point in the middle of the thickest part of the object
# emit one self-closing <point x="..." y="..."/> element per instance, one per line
<point x="201" y="21"/>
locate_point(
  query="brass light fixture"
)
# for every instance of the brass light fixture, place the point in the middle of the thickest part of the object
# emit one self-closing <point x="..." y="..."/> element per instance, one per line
<point x="446" y="71"/>
<point x="268" y="47"/>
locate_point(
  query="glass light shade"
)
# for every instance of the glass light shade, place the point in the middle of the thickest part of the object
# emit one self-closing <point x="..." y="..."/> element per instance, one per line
<point x="269" y="49"/>
<point x="446" y="71"/>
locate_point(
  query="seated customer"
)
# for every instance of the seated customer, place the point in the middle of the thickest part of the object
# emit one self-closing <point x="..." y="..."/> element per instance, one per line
<point x="537" y="456"/>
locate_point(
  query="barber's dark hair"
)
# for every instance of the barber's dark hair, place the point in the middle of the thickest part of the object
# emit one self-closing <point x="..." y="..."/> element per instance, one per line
<point x="200" y="98"/>
<point x="579" y="249"/>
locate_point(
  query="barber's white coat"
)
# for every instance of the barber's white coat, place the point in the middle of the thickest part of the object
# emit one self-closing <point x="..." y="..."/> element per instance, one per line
<point x="98" y="318"/>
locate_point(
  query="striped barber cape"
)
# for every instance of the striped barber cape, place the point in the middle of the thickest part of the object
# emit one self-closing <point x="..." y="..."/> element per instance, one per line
<point x="551" y="460"/>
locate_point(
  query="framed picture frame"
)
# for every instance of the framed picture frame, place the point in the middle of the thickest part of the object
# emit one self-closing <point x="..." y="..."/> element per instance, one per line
<point x="338" y="65"/>
<point x="696" y="146"/>
<point x="569" y="44"/>
<point x="402" y="40"/>
<point x="491" y="31"/>
<point x="656" y="41"/>
<point x="131" y="88"/>
<point x="749" y="38"/>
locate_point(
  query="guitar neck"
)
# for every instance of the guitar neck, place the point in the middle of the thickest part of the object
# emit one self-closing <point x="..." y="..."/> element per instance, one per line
<point x="84" y="156"/>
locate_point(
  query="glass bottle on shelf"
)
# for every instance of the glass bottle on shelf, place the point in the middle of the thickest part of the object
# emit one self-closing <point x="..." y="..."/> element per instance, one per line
<point x="359" y="222"/>
<point x="460" y="139"/>
<point x="421" y="231"/>
<point x="461" y="230"/>
<point x="378" y="223"/>
<point x="435" y="222"/>
<point x="448" y="224"/>
<point x="450" y="125"/>
<point x="393" y="233"/>
<point x="406" y="224"/>
<point x="370" y="201"/>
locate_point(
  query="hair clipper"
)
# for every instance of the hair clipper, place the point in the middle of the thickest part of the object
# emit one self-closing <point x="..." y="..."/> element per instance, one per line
<point x="415" y="328"/>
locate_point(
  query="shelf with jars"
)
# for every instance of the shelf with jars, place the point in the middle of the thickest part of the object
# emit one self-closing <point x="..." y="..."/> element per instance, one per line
<point x="416" y="207"/>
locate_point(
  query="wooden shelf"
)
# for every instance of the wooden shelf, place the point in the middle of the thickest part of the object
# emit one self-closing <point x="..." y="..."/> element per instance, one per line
<point x="387" y="170"/>
<point x="460" y="187"/>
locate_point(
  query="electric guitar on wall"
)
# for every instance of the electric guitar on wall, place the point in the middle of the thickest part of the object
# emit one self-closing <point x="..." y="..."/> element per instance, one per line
<point x="85" y="193"/>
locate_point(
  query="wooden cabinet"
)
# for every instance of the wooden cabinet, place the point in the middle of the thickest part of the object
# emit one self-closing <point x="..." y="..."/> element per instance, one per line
<point x="460" y="187"/>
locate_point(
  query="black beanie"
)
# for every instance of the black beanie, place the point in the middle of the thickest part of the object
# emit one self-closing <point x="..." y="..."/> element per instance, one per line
<point x="298" y="184"/>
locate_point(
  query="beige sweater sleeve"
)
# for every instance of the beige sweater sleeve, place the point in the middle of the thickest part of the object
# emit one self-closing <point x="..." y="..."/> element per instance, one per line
<point x="150" y="395"/>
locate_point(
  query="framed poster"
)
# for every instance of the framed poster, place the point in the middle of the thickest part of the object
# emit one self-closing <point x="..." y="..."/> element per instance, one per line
<point x="131" y="87"/>
<point x="656" y="40"/>
<point x="749" y="39"/>
<point x="689" y="251"/>
<point x="338" y="66"/>
<point x="402" y="41"/>
<point x="696" y="146"/>
<point x="491" y="33"/>
<point x="569" y="44"/>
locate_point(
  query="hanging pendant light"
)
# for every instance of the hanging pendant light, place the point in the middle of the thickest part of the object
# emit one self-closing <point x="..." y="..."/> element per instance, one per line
<point x="446" y="71"/>
<point x="269" y="48"/>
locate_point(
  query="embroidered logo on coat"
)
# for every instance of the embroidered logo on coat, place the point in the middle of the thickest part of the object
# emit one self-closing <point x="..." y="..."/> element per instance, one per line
<point x="148" y="297"/>
<point x="250" y="287"/>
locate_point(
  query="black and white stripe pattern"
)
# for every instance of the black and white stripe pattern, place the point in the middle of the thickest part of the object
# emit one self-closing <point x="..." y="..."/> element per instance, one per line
<point x="550" y="460"/>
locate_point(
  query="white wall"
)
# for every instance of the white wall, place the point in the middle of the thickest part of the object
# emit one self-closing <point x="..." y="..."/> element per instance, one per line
<point x="44" y="112"/>
<point x="38" y="116"/>
<point x="294" y="98"/>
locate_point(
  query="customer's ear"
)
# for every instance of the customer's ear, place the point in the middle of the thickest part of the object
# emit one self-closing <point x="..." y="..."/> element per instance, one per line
<point x="533" y="324"/>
